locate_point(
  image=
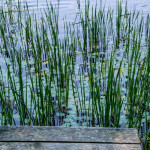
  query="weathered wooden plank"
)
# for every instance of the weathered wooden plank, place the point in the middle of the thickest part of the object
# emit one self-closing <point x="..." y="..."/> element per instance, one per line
<point x="67" y="146"/>
<point x="69" y="134"/>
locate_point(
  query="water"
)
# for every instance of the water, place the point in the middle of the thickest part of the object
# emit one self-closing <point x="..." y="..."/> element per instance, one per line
<point x="70" y="11"/>
<point x="68" y="8"/>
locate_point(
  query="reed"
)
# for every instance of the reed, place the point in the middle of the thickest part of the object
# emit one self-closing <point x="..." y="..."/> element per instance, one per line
<point x="95" y="74"/>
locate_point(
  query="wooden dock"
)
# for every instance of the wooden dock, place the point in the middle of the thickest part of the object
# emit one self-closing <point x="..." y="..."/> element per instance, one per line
<point x="68" y="138"/>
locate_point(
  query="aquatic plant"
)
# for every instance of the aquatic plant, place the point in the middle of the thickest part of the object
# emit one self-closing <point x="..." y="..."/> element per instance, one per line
<point x="95" y="74"/>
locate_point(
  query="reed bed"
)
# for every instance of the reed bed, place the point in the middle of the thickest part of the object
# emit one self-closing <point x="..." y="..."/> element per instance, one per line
<point x="96" y="74"/>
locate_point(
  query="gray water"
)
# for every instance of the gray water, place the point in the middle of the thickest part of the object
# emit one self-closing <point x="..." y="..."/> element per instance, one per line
<point x="69" y="8"/>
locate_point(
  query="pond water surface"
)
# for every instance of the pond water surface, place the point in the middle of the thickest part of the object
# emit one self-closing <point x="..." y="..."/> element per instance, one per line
<point x="70" y="11"/>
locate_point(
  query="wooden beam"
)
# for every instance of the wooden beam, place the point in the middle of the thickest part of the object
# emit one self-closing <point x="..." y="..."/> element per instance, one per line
<point x="61" y="138"/>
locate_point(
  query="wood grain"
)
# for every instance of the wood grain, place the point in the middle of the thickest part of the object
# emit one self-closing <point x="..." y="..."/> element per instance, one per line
<point x="66" y="146"/>
<point x="68" y="138"/>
